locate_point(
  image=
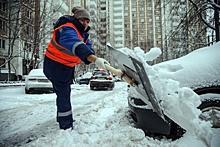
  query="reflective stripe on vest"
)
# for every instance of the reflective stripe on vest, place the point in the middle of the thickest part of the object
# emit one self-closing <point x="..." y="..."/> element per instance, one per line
<point x="61" y="54"/>
<point x="64" y="114"/>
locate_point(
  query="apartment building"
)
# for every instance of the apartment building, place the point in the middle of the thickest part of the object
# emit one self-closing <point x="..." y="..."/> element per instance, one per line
<point x="142" y="24"/>
<point x="17" y="34"/>
<point x="116" y="23"/>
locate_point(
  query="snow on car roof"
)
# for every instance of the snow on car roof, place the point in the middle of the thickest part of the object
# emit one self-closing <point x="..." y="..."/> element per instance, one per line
<point x="36" y="72"/>
<point x="87" y="75"/>
<point x="200" y="68"/>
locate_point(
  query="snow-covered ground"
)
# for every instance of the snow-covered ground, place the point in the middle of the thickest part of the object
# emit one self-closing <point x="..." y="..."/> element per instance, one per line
<point x="101" y="120"/>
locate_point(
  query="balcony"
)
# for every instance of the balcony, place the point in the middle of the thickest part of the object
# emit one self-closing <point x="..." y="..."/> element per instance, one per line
<point x="118" y="27"/>
<point x="117" y="15"/>
<point x="102" y="5"/>
<point x="93" y="4"/>
<point x="118" y="9"/>
<point x="119" y="45"/>
<point x="116" y="33"/>
<point x="117" y="3"/>
<point x="93" y="12"/>
<point x="118" y="21"/>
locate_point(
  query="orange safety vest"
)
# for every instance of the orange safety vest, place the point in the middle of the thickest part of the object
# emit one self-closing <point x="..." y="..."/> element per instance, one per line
<point x="61" y="54"/>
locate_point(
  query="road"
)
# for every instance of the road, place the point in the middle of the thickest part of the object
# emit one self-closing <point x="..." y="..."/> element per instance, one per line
<point x="24" y="117"/>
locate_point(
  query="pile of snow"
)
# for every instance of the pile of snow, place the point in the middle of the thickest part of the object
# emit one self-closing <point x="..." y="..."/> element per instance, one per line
<point x="180" y="103"/>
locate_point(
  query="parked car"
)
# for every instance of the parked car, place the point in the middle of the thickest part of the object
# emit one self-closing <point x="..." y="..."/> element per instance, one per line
<point x="84" y="79"/>
<point x="101" y="80"/>
<point x="37" y="82"/>
<point x="201" y="72"/>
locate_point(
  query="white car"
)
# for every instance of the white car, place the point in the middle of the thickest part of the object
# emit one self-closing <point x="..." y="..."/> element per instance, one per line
<point x="84" y="79"/>
<point x="37" y="82"/>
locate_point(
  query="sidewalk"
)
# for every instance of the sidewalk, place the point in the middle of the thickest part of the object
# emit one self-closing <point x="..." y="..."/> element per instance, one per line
<point x="11" y="83"/>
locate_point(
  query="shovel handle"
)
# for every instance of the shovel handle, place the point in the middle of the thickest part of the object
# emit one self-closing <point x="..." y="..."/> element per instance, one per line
<point x="120" y="74"/>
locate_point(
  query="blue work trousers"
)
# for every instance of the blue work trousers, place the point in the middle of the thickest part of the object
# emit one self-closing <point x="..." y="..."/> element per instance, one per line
<point x="61" y="77"/>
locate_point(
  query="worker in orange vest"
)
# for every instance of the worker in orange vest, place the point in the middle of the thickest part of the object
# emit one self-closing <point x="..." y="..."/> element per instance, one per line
<point x="69" y="46"/>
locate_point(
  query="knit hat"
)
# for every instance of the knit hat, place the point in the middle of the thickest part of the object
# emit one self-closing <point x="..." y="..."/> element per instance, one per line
<point x="79" y="12"/>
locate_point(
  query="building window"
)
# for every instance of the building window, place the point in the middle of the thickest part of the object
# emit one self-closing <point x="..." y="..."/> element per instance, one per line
<point x="158" y="24"/>
<point x="149" y="25"/>
<point x="142" y="38"/>
<point x="149" y="14"/>
<point x="2" y="62"/>
<point x="142" y="32"/>
<point x="127" y="33"/>
<point x="141" y="9"/>
<point x="149" y="8"/>
<point x="158" y="36"/>
<point x="27" y="46"/>
<point x="158" y="30"/>
<point x="135" y="32"/>
<point x="28" y="14"/>
<point x="157" y="17"/>
<point x="135" y="38"/>
<point x="134" y="15"/>
<point x="158" y="42"/>
<point x="141" y="14"/>
<point x="157" y="6"/>
<point x="134" y="9"/>
<point x="142" y="26"/>
<point x="126" y="8"/>
<point x="149" y="20"/>
<point x="3" y="6"/>
<point x="28" y="30"/>
<point x="134" y="3"/>
<point x="142" y="20"/>
<point x="126" y="14"/>
<point x="141" y="2"/>
<point x="2" y="25"/>
<point x="157" y="12"/>
<point x="150" y="31"/>
<point x="2" y="43"/>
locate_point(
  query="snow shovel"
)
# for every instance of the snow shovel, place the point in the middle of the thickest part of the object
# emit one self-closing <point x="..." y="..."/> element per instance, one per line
<point x="131" y="71"/>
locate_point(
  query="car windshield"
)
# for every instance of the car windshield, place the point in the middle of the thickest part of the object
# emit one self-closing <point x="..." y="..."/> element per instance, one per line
<point x="100" y="73"/>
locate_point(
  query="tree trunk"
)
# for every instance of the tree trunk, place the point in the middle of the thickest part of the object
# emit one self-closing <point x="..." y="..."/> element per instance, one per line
<point x="216" y="17"/>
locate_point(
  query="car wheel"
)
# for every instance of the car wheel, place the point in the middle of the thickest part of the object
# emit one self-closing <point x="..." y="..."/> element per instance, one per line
<point x="210" y="112"/>
<point x="92" y="88"/>
<point x="27" y="91"/>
